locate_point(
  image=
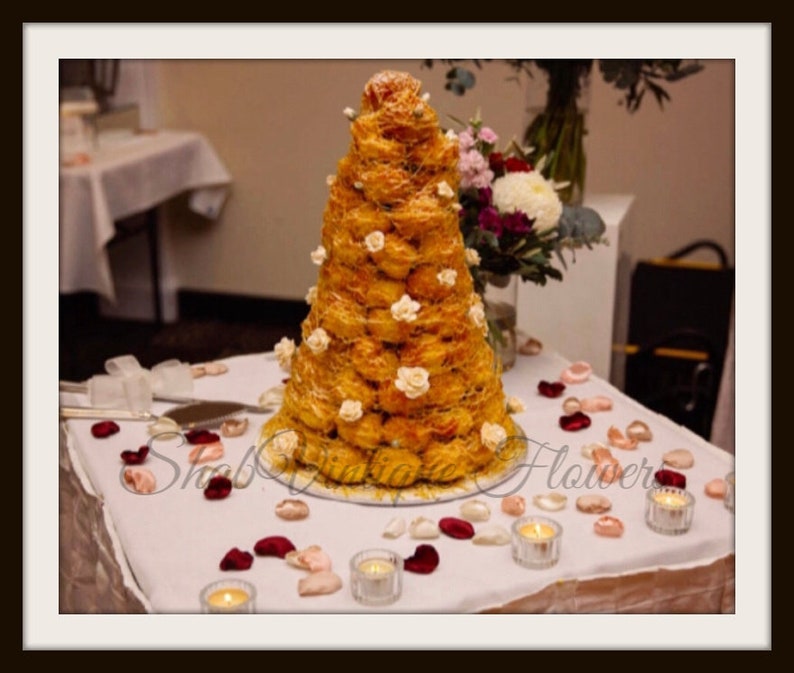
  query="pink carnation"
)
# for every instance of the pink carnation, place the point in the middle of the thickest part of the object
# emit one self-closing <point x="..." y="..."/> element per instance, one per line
<point x="466" y="140"/>
<point x="487" y="135"/>
<point x="474" y="170"/>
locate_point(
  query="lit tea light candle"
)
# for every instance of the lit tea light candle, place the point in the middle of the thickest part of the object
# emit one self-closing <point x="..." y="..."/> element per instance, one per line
<point x="536" y="542"/>
<point x="376" y="576"/>
<point x="228" y="597"/>
<point x="669" y="510"/>
<point x="730" y="491"/>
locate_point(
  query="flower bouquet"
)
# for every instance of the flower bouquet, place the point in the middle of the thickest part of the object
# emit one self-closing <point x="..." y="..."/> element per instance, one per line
<point x="512" y="219"/>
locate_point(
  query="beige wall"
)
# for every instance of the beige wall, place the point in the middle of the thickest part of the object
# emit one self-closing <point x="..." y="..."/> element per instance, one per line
<point x="279" y="127"/>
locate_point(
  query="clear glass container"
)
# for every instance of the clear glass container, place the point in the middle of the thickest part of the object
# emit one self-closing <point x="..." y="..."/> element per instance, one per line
<point x="376" y="577"/>
<point x="536" y="542"/>
<point x="669" y="510"/>
<point x="228" y="597"/>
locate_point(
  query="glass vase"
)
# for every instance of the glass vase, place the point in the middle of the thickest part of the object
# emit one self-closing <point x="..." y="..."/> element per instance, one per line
<point x="500" y="299"/>
<point x="557" y="128"/>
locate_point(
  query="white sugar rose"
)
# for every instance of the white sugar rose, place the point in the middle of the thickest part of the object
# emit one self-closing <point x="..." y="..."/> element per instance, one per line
<point x="284" y="351"/>
<point x="413" y="381"/>
<point x="492" y="434"/>
<point x="405" y="309"/>
<point x="447" y="277"/>
<point x="472" y="257"/>
<point x="477" y="313"/>
<point x="311" y="295"/>
<point x="530" y="193"/>
<point x="515" y="405"/>
<point x="375" y="241"/>
<point x="319" y="255"/>
<point x="318" y="341"/>
<point x="350" y="411"/>
<point x="444" y="190"/>
<point x="285" y="443"/>
<point x="349" y="112"/>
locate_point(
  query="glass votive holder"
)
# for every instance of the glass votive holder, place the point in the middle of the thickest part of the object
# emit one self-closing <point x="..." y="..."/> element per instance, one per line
<point x="228" y="597"/>
<point x="669" y="510"/>
<point x="376" y="576"/>
<point x="730" y="491"/>
<point x="536" y="542"/>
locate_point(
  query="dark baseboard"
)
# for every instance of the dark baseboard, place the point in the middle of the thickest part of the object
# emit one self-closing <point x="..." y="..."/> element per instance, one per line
<point x="196" y="305"/>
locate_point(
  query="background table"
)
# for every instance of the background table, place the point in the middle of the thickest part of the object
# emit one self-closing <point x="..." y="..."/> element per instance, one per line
<point x="168" y="545"/>
<point x="130" y="174"/>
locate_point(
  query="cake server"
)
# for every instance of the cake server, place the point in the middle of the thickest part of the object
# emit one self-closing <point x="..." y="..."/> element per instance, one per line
<point x="73" y="387"/>
<point x="199" y="414"/>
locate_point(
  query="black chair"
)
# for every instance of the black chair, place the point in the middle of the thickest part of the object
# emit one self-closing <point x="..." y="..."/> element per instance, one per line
<point x="679" y="320"/>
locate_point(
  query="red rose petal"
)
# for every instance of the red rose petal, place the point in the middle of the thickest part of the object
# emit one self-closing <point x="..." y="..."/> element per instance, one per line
<point x="275" y="545"/>
<point x="457" y="528"/>
<point x="218" y="488"/>
<point x="135" y="457"/>
<point x="104" y="429"/>
<point x="575" y="421"/>
<point x="548" y="389"/>
<point x="202" y="437"/>
<point x="424" y="560"/>
<point x="670" y="478"/>
<point x="236" y="559"/>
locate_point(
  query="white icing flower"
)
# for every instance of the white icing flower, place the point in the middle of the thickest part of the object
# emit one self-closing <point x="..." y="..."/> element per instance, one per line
<point x="311" y="295"/>
<point x="375" y="241"/>
<point x="444" y="190"/>
<point x="272" y="397"/>
<point x="285" y="443"/>
<point x="318" y="341"/>
<point x="492" y="434"/>
<point x="319" y="255"/>
<point x="472" y="257"/>
<point x="451" y="135"/>
<point x="405" y="309"/>
<point x="413" y="381"/>
<point x="349" y="112"/>
<point x="358" y="185"/>
<point x="515" y="405"/>
<point x="350" y="411"/>
<point x="530" y="193"/>
<point x="447" y="277"/>
<point x="477" y="313"/>
<point x="419" y="110"/>
<point x="426" y="96"/>
<point x="329" y="180"/>
<point x="284" y="351"/>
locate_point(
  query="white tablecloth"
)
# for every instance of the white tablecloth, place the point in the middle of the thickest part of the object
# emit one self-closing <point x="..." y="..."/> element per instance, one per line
<point x="129" y="174"/>
<point x="174" y="539"/>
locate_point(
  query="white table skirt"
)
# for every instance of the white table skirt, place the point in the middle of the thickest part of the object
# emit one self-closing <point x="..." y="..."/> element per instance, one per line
<point x="128" y="175"/>
<point x="172" y="541"/>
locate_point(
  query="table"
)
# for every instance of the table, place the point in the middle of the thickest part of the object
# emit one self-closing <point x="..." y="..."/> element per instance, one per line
<point x="168" y="545"/>
<point x="131" y="174"/>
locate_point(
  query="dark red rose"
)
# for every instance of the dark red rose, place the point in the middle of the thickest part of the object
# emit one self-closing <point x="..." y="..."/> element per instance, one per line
<point x="516" y="165"/>
<point x="496" y="162"/>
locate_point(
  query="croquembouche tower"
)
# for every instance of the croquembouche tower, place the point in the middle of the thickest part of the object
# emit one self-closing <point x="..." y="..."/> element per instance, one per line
<point x="394" y="384"/>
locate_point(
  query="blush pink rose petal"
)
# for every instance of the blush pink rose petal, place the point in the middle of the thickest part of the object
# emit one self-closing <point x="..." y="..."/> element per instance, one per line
<point x="141" y="479"/>
<point x="206" y="453"/>
<point x="577" y="372"/>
